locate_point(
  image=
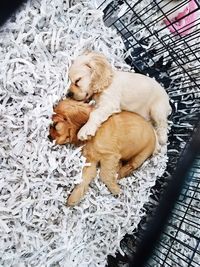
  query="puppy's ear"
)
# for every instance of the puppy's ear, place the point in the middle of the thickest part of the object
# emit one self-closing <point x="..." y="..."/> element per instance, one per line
<point x="102" y="72"/>
<point x="79" y="117"/>
<point x="74" y="112"/>
<point x="73" y="139"/>
<point x="87" y="51"/>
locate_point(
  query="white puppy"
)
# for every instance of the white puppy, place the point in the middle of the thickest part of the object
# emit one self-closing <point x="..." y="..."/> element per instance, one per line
<point x="91" y="75"/>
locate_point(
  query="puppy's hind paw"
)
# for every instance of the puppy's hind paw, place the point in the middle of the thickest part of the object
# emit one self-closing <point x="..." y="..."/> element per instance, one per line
<point x="114" y="189"/>
<point x="162" y="137"/>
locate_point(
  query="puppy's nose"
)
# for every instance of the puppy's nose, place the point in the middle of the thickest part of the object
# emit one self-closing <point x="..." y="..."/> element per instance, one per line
<point x="50" y="138"/>
<point x="70" y="94"/>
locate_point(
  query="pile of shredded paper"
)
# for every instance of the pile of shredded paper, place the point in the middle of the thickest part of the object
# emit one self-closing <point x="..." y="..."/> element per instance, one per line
<point x="37" y="47"/>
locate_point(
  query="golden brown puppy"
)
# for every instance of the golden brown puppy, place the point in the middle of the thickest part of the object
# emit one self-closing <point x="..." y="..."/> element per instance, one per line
<point x="121" y="144"/>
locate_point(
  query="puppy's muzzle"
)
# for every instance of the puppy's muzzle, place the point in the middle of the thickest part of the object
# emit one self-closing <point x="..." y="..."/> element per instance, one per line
<point x="52" y="132"/>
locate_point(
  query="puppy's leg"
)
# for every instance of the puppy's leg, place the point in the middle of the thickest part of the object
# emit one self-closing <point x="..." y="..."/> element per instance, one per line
<point x="89" y="173"/>
<point x="133" y="164"/>
<point x="97" y="117"/>
<point x="159" y="116"/>
<point x="108" y="173"/>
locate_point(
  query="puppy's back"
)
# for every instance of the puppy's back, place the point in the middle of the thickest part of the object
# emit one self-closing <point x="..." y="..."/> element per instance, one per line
<point x="126" y="133"/>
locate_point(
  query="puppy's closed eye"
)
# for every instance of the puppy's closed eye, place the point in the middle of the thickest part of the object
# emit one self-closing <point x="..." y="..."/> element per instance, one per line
<point x="76" y="82"/>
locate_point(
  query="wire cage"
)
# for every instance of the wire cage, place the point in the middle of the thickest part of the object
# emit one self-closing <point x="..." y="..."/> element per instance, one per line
<point x="161" y="40"/>
<point x="179" y="244"/>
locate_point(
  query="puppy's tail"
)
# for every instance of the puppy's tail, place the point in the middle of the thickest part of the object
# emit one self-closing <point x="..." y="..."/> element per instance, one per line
<point x="157" y="146"/>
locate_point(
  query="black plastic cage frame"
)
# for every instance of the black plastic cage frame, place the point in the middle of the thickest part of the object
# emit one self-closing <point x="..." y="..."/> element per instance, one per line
<point x="173" y="58"/>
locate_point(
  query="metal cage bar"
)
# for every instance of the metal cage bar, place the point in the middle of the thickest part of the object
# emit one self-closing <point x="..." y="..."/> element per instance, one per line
<point x="173" y="58"/>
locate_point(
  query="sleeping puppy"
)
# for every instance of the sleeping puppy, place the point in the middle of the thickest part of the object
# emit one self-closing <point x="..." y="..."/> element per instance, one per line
<point x="121" y="144"/>
<point x="91" y="75"/>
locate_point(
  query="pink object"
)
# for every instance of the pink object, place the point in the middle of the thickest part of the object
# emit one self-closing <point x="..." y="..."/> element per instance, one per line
<point x="183" y="26"/>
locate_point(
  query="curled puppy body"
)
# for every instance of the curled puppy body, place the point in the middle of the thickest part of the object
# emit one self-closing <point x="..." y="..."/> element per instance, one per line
<point x="121" y="144"/>
<point x="91" y="75"/>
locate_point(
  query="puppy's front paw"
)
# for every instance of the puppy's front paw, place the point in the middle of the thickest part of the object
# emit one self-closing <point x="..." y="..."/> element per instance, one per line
<point x="85" y="132"/>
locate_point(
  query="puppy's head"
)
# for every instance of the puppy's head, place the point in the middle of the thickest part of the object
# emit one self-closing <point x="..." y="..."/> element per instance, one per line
<point x="69" y="117"/>
<point x="90" y="73"/>
<point x="62" y="130"/>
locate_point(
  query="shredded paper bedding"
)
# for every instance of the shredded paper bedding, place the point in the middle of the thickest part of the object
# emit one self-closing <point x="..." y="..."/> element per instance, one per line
<point x="37" y="47"/>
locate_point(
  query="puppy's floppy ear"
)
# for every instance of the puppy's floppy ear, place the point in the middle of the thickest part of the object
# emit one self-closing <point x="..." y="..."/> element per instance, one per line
<point x="81" y="117"/>
<point x="87" y="51"/>
<point x="101" y="70"/>
<point x="76" y="113"/>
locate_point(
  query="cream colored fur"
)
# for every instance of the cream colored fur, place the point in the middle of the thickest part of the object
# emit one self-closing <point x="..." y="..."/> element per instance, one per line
<point x="92" y="76"/>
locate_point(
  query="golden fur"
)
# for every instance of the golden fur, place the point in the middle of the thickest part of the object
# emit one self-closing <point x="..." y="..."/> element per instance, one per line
<point x="91" y="75"/>
<point x="121" y="144"/>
